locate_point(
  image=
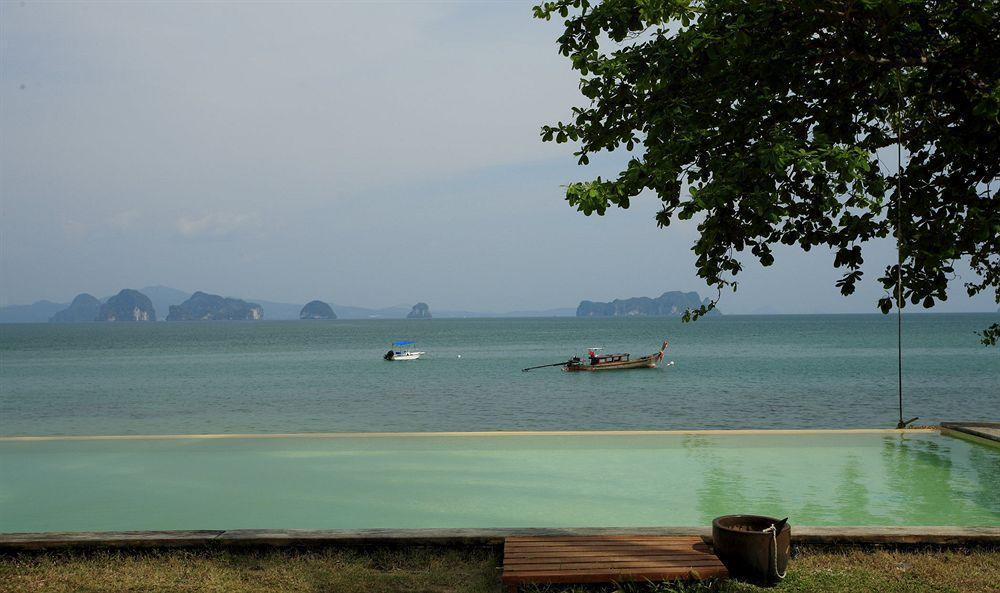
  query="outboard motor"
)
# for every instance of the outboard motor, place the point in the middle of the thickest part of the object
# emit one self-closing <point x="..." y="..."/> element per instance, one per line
<point x="389" y="355"/>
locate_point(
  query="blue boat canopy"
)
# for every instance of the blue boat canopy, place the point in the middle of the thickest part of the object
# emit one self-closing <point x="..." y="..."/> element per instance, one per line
<point x="404" y="342"/>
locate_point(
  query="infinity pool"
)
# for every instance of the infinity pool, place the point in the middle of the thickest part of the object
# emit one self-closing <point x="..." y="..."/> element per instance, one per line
<point x="918" y="478"/>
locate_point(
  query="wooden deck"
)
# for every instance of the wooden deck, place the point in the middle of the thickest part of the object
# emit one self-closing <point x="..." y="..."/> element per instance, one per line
<point x="607" y="558"/>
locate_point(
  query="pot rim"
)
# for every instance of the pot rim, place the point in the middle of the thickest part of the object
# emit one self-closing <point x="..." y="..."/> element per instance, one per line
<point x="717" y="525"/>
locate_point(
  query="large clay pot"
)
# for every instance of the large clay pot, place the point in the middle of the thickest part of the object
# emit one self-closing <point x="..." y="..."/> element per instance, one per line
<point x="748" y="551"/>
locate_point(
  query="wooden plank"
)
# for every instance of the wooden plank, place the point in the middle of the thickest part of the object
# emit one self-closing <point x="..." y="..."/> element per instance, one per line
<point x="594" y="559"/>
<point x="615" y="565"/>
<point x="617" y="576"/>
<point x="649" y="560"/>
<point x="598" y="536"/>
<point x="617" y="542"/>
<point x="605" y="555"/>
<point x="694" y="541"/>
<point x="609" y="544"/>
<point x="606" y="573"/>
<point x="605" y="551"/>
<point x="622" y="543"/>
<point x="679" y="567"/>
<point x="604" y="558"/>
<point x="600" y="546"/>
<point x="640" y="575"/>
<point x="597" y="547"/>
<point x="609" y="540"/>
<point x="528" y="574"/>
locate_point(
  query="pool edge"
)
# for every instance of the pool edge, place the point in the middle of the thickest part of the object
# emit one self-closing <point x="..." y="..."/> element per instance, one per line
<point x="498" y="433"/>
<point x="802" y="535"/>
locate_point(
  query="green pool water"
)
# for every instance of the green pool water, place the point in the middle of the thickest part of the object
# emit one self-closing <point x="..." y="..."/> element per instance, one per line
<point x="496" y="481"/>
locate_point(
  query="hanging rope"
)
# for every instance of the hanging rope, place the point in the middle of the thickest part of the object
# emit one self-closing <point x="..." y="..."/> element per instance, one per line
<point x="899" y="267"/>
<point x="897" y="124"/>
<point x="774" y="552"/>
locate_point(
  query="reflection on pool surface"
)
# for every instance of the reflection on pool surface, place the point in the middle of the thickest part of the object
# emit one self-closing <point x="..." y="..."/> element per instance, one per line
<point x="496" y="481"/>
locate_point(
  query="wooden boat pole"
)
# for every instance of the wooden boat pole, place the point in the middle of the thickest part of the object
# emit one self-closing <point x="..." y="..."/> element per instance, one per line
<point x="542" y="366"/>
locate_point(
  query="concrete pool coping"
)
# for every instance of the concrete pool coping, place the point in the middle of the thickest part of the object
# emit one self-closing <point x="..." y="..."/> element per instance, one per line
<point x="237" y="538"/>
<point x="986" y="433"/>
<point x="498" y="433"/>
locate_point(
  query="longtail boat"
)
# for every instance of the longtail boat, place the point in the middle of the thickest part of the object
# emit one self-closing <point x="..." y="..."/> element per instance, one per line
<point x="608" y="362"/>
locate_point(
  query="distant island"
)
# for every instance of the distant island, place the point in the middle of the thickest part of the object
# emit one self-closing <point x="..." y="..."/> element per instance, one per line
<point x="205" y="306"/>
<point x="668" y="304"/>
<point x="317" y="310"/>
<point x="419" y="311"/>
<point x="212" y="307"/>
<point x="164" y="297"/>
<point x="84" y="308"/>
<point x="127" y="305"/>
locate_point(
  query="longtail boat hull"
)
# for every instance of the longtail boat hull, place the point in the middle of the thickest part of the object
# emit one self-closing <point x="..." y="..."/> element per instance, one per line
<point x="643" y="362"/>
<point x="646" y="362"/>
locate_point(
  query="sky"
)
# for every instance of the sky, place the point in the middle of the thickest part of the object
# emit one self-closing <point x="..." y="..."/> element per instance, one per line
<point x="366" y="154"/>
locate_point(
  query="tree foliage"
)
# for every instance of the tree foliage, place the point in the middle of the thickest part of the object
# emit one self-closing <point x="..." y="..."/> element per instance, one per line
<point x="766" y="121"/>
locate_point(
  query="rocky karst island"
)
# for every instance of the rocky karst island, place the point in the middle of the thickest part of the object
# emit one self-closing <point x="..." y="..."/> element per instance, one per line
<point x="127" y="305"/>
<point x="84" y="308"/>
<point x="317" y="310"/>
<point x="212" y="307"/>
<point x="419" y="311"/>
<point x="668" y="304"/>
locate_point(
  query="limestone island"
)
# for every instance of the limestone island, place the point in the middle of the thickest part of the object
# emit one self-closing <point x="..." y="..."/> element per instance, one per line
<point x="668" y="304"/>
<point x="84" y="308"/>
<point x="419" y="311"/>
<point x="317" y="310"/>
<point x="127" y="305"/>
<point x="212" y="307"/>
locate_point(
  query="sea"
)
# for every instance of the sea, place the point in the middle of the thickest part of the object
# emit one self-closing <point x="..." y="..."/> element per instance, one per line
<point x="728" y="372"/>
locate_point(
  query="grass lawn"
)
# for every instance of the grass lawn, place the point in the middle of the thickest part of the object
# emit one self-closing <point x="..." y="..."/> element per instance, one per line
<point x="472" y="571"/>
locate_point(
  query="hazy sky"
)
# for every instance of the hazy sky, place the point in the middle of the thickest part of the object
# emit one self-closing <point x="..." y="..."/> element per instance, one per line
<point x="365" y="154"/>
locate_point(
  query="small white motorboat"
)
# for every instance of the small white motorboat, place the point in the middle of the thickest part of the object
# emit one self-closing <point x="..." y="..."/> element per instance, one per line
<point x="397" y="353"/>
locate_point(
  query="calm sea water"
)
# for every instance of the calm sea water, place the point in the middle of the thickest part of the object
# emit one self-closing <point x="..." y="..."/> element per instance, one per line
<point x="729" y="372"/>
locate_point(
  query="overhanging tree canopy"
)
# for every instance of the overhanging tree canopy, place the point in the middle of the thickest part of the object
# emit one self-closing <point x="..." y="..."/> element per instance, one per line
<point x="765" y="120"/>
